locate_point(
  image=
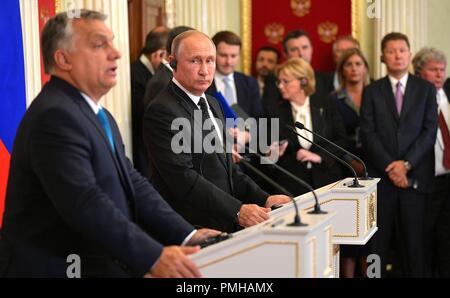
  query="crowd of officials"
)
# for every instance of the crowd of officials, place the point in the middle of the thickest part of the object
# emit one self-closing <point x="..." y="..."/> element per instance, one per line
<point x="71" y="188"/>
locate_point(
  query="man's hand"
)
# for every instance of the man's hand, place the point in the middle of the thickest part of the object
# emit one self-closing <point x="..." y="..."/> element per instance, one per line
<point x="276" y="151"/>
<point x="397" y="173"/>
<point x="241" y="137"/>
<point x="277" y="200"/>
<point x="251" y="214"/>
<point x="174" y="262"/>
<point x="201" y="235"/>
<point x="306" y="155"/>
<point x="235" y="156"/>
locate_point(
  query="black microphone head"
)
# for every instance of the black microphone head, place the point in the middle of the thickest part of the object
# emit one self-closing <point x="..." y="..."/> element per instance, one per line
<point x="299" y="125"/>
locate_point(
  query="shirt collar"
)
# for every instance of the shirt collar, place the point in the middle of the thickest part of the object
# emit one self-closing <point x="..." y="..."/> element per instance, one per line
<point x="218" y="76"/>
<point x="442" y="97"/>
<point x="167" y="64"/>
<point x="298" y="107"/>
<point x="193" y="97"/>
<point x="403" y="81"/>
<point x="147" y="63"/>
<point x="94" y="106"/>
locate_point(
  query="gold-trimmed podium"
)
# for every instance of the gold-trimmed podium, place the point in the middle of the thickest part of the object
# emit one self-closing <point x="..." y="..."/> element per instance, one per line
<point x="274" y="249"/>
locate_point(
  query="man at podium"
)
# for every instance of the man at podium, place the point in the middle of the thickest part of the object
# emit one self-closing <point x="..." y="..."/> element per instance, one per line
<point x="205" y="187"/>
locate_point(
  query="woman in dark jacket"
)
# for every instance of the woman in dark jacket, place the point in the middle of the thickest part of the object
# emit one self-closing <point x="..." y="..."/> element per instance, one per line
<point x="319" y="114"/>
<point x="353" y="76"/>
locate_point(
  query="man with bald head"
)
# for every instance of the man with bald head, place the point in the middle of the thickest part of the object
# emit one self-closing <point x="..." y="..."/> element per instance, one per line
<point x="205" y="187"/>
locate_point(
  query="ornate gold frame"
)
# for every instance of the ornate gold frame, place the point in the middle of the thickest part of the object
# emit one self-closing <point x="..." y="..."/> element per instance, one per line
<point x="246" y="30"/>
<point x="295" y="245"/>
<point x="58" y="6"/>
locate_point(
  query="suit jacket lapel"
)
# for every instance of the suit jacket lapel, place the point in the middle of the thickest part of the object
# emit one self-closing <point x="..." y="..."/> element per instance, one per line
<point x="316" y="117"/>
<point x="286" y="118"/>
<point x="215" y="108"/>
<point x="389" y="98"/>
<point x="408" y="98"/>
<point x="95" y="122"/>
<point x="240" y="91"/>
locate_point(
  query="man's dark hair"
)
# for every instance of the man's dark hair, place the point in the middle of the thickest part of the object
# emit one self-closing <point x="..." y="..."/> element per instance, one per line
<point x="269" y="49"/>
<point x="58" y="33"/>
<point x="293" y="35"/>
<point x="227" y="37"/>
<point x="155" y="41"/>
<point x="174" y="33"/>
<point x="394" y="36"/>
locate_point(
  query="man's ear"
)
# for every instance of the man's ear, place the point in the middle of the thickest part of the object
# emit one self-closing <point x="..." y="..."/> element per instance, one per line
<point x="382" y="59"/>
<point x="62" y="60"/>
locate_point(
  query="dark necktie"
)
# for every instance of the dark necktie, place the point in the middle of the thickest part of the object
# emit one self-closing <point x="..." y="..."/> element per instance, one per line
<point x="204" y="107"/>
<point x="446" y="138"/>
<point x="106" y="126"/>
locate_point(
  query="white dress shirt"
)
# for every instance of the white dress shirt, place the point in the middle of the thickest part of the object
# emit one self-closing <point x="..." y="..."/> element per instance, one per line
<point x="403" y="81"/>
<point x="302" y="114"/>
<point x="143" y="58"/>
<point x="220" y="86"/>
<point x="195" y="99"/>
<point x="444" y="107"/>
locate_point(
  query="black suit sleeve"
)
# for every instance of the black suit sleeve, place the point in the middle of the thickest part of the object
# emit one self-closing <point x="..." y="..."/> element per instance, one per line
<point x="427" y="136"/>
<point x="334" y="130"/>
<point x="153" y="212"/>
<point x="369" y="134"/>
<point x="255" y="98"/>
<point x="61" y="158"/>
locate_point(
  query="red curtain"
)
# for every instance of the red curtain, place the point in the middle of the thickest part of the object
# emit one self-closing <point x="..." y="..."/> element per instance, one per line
<point x="46" y="10"/>
<point x="324" y="20"/>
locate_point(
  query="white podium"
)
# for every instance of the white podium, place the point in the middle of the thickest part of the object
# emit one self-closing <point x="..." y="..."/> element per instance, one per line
<point x="274" y="249"/>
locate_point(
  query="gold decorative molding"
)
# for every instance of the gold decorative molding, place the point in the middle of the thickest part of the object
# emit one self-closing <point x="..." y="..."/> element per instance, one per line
<point x="356" y="20"/>
<point x="329" y="237"/>
<point x="246" y="31"/>
<point x="252" y="247"/>
<point x="313" y="249"/>
<point x="58" y="6"/>
<point x="357" y="215"/>
<point x="372" y="210"/>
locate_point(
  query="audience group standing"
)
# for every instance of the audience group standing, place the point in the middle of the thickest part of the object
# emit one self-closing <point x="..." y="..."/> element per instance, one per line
<point x="396" y="124"/>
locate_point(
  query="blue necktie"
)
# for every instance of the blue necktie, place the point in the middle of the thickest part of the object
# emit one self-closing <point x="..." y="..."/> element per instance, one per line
<point x="105" y="123"/>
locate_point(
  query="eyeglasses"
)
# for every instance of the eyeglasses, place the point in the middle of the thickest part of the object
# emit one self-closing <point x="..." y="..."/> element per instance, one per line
<point x="284" y="82"/>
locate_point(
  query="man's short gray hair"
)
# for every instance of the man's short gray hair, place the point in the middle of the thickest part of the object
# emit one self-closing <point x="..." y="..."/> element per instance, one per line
<point x="426" y="55"/>
<point x="58" y="33"/>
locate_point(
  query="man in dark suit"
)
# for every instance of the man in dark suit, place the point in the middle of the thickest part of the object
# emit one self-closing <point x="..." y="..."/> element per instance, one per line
<point x="71" y="190"/>
<point x="142" y="70"/>
<point x="398" y="129"/>
<point x="202" y="184"/>
<point x="265" y="62"/>
<point x="163" y="74"/>
<point x="430" y="64"/>
<point x="236" y="87"/>
<point x="298" y="44"/>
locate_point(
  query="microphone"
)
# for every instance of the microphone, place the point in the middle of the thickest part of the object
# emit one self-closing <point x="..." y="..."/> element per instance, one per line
<point x="317" y="209"/>
<point x="248" y="164"/>
<point x="366" y="174"/>
<point x="355" y="180"/>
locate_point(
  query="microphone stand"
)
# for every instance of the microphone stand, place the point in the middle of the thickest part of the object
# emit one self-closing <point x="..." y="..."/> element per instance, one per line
<point x="355" y="183"/>
<point x="317" y="209"/>
<point x="366" y="174"/>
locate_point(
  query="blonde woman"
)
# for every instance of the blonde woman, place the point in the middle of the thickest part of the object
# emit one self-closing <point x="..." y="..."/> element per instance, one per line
<point x="296" y="83"/>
